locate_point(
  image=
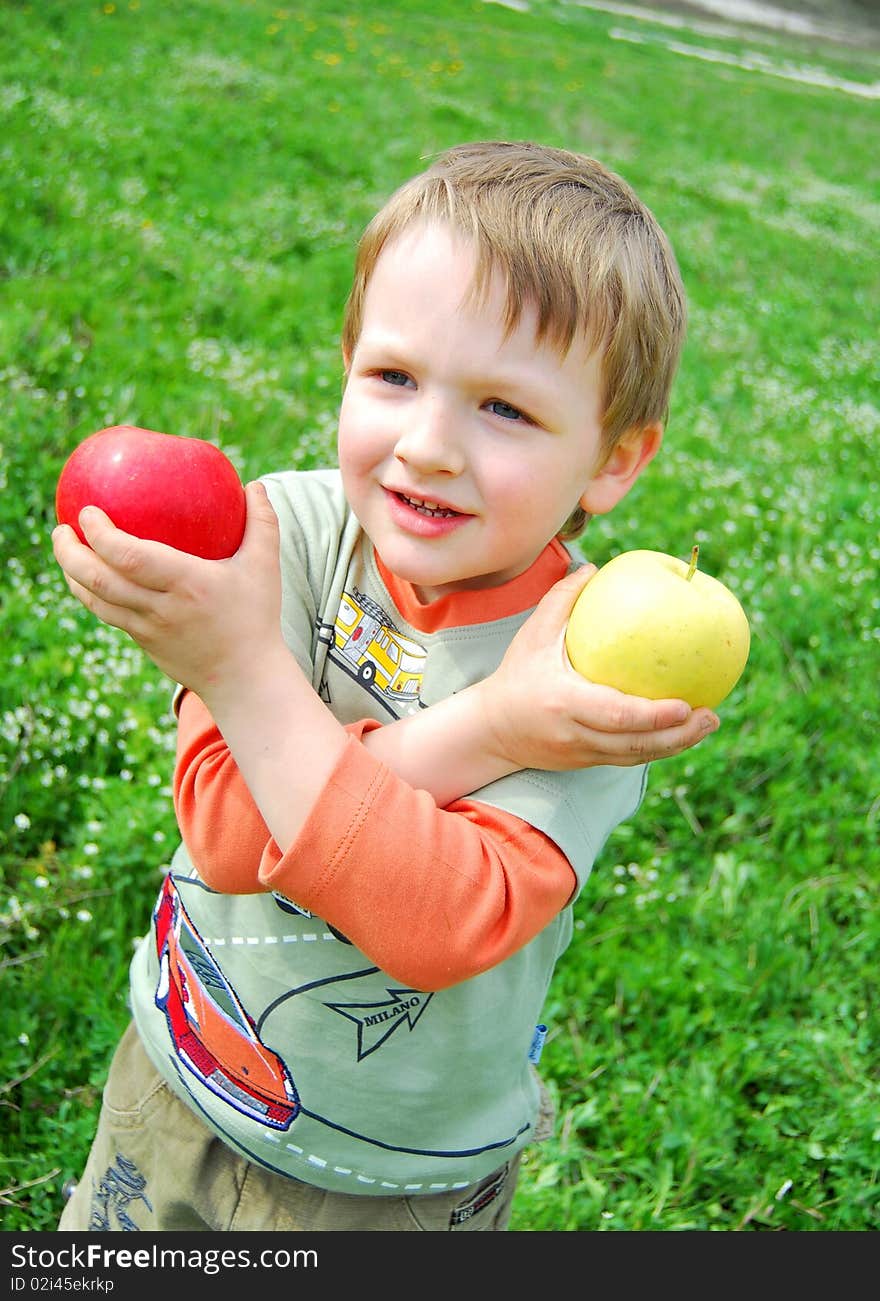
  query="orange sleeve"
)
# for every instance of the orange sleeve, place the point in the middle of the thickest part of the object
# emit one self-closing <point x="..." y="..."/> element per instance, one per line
<point x="432" y="896"/>
<point x="220" y="824"/>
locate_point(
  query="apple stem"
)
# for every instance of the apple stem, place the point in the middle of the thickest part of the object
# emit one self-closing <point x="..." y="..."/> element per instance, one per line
<point x="693" y="564"/>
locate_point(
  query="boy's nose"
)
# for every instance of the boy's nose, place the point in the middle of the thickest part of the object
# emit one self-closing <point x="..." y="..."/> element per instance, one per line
<point x="429" y="442"/>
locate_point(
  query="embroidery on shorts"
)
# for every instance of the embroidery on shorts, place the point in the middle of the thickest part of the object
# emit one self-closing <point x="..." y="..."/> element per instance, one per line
<point x="478" y="1201"/>
<point x="121" y="1185"/>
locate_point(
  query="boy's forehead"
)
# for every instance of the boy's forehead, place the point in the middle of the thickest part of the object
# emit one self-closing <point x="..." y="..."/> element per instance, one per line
<point x="424" y="241"/>
<point x="425" y="267"/>
<point x="430" y="265"/>
<point x="429" y="258"/>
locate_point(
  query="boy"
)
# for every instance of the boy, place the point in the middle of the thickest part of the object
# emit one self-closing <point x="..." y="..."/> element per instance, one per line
<point x="337" y="1008"/>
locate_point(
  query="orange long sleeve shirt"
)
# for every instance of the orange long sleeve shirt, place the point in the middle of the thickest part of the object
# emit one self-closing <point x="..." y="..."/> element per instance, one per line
<point x="433" y="896"/>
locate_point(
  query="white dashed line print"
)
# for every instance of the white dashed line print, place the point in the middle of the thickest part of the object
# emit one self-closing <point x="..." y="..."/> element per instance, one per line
<point x="219" y="941"/>
<point x="271" y="1137"/>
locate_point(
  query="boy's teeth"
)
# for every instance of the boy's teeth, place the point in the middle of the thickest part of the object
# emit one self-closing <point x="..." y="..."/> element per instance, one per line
<point x="426" y="507"/>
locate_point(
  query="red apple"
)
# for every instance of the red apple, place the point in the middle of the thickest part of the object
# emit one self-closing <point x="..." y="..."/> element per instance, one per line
<point x="164" y="487"/>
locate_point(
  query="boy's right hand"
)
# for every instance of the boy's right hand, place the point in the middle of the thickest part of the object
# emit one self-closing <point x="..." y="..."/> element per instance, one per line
<point x="541" y="713"/>
<point x="205" y="623"/>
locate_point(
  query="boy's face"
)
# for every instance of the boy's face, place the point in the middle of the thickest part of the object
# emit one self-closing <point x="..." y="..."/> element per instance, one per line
<point x="462" y="452"/>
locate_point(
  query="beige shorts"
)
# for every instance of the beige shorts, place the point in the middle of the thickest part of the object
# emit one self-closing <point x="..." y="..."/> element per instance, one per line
<point x="154" y="1166"/>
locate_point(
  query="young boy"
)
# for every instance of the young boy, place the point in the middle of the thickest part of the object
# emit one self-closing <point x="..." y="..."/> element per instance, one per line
<point x="390" y="784"/>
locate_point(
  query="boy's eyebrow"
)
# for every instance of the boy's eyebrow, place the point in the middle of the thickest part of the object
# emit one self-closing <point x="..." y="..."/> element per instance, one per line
<point x="381" y="342"/>
<point x="392" y="352"/>
<point x="390" y="345"/>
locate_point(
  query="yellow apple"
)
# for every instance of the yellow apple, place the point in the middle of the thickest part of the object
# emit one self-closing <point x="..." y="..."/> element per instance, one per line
<point x="653" y="625"/>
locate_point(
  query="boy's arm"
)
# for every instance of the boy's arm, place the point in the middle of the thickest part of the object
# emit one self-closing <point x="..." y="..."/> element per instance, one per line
<point x="222" y="828"/>
<point x="432" y="896"/>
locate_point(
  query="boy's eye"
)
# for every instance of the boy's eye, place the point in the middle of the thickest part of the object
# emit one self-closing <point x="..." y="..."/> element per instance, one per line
<point x="506" y="411"/>
<point x="397" y="377"/>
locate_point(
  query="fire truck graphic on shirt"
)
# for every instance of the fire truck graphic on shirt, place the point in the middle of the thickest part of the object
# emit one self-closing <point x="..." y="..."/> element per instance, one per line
<point x="364" y="642"/>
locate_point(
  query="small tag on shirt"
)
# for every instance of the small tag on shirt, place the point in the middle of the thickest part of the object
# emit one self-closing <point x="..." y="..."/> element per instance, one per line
<point x="537" y="1046"/>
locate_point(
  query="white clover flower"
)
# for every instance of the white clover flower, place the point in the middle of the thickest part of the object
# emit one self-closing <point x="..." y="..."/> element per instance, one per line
<point x="22" y="821"/>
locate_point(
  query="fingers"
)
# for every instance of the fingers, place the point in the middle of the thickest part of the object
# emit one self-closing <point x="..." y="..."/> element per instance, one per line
<point x="258" y="501"/>
<point x="134" y="561"/>
<point x="644" y="747"/>
<point x="609" y="710"/>
<point x="117" y="577"/>
<point x="635" y="744"/>
<point x="544" y="630"/>
<point x="261" y="532"/>
<point x="633" y="729"/>
<point x="553" y="610"/>
<point x="564" y="593"/>
<point x="117" y="615"/>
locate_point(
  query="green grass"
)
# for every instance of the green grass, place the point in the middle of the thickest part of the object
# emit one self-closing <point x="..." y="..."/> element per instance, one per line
<point x="181" y="188"/>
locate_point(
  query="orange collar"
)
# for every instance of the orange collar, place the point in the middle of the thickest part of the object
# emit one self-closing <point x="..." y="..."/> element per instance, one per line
<point x="483" y="604"/>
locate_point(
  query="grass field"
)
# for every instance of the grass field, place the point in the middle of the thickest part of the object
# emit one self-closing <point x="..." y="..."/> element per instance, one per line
<point x="182" y="189"/>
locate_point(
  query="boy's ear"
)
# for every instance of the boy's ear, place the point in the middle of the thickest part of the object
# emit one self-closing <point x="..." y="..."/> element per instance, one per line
<point x="626" y="461"/>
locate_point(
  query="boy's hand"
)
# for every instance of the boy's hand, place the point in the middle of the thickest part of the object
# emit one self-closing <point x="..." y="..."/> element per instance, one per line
<point x="543" y="714"/>
<point x="202" y="622"/>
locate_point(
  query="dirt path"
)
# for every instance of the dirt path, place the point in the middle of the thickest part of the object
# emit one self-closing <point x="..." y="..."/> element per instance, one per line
<point x="851" y="22"/>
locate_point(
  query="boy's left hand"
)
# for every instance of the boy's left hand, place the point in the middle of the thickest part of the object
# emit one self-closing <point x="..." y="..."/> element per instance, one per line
<point x="542" y="714"/>
<point x="201" y="622"/>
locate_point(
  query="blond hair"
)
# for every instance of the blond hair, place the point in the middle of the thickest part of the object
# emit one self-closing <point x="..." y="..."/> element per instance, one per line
<point x="572" y="240"/>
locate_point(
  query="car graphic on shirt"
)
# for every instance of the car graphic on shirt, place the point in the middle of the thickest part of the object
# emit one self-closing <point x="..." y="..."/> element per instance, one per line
<point x="213" y="1036"/>
<point x="365" y="643"/>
